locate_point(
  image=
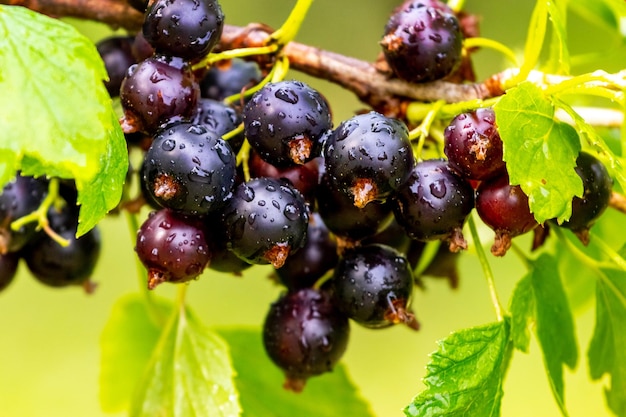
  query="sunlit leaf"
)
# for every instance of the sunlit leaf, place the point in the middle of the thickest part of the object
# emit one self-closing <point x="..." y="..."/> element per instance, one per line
<point x="190" y="374"/>
<point x="465" y="375"/>
<point x="128" y="338"/>
<point x="607" y="350"/>
<point x="540" y="301"/>
<point x="540" y="152"/>
<point x="56" y="115"/>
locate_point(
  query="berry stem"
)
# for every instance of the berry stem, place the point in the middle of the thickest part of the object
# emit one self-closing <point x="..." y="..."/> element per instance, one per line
<point x="537" y="29"/>
<point x="426" y="258"/>
<point x="484" y="263"/>
<point x="41" y="214"/>
<point x="491" y="44"/>
<point x="291" y="26"/>
<point x="234" y="53"/>
<point x="422" y="131"/>
<point x="242" y="158"/>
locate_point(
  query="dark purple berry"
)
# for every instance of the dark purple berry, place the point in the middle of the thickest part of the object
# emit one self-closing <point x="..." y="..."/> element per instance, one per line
<point x="285" y="122"/>
<point x="368" y="157"/>
<point x="154" y="93"/>
<point x="434" y="203"/>
<point x="173" y="248"/>
<point x="422" y="43"/>
<point x="597" y="185"/>
<point x="347" y="221"/>
<point x="60" y="266"/>
<point x="313" y="260"/>
<point x="305" y="335"/>
<point x="473" y="145"/>
<point x="303" y="177"/>
<point x="222" y="81"/>
<point x="8" y="268"/>
<point x="266" y="221"/>
<point x="188" y="29"/>
<point x="19" y="198"/>
<point x="223" y="259"/>
<point x="373" y="285"/>
<point x="504" y="208"/>
<point x="189" y="169"/>
<point x="220" y="119"/>
<point x="117" y="55"/>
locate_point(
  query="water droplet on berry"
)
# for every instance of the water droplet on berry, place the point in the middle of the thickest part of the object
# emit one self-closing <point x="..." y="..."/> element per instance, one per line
<point x="438" y="188"/>
<point x="286" y="95"/>
<point x="168" y="145"/>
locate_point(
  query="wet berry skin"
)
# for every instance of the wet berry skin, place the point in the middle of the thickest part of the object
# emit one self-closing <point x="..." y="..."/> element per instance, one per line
<point x="285" y="122"/>
<point x="157" y="91"/>
<point x="221" y="81"/>
<point x="266" y="220"/>
<point x="220" y="119"/>
<point x="368" y="157"/>
<point x="313" y="260"/>
<point x="422" y="43"/>
<point x="172" y="247"/>
<point x="189" y="169"/>
<point x="434" y="203"/>
<point x="305" y="335"/>
<point x="117" y="55"/>
<point x="58" y="266"/>
<point x="597" y="185"/>
<point x="346" y="220"/>
<point x="504" y="208"/>
<point x="473" y="145"/>
<point x="373" y="285"/>
<point x="188" y="29"/>
<point x="19" y="198"/>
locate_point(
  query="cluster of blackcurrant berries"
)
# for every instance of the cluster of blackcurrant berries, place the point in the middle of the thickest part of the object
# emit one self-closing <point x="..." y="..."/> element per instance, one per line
<point x="341" y="213"/>
<point x="49" y="262"/>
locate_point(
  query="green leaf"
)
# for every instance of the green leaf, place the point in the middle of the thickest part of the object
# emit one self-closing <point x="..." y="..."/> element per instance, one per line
<point x="327" y="395"/>
<point x="190" y="374"/>
<point x="466" y="374"/>
<point x="130" y="334"/>
<point x="607" y="349"/>
<point x="540" y="152"/>
<point x="56" y="115"/>
<point x="540" y="299"/>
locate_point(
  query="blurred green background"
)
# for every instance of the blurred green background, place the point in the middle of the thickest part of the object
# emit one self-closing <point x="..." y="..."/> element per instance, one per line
<point x="49" y="348"/>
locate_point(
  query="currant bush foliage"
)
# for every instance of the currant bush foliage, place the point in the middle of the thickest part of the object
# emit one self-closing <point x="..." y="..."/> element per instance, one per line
<point x="157" y="356"/>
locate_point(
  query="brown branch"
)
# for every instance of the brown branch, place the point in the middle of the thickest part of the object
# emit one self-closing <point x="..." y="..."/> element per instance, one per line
<point x="360" y="77"/>
<point x="115" y="13"/>
<point x="618" y="202"/>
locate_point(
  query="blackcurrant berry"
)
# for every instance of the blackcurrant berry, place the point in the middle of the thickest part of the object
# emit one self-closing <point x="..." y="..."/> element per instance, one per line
<point x="597" y="185"/>
<point x="220" y="119"/>
<point x="313" y="260"/>
<point x="8" y="268"/>
<point x="434" y="204"/>
<point x="422" y="43"/>
<point x="116" y="53"/>
<point x="285" y="122"/>
<point x="189" y="169"/>
<point x="155" y="92"/>
<point x="303" y="177"/>
<point x="305" y="335"/>
<point x="368" y="157"/>
<point x="222" y="259"/>
<point x="347" y="221"/>
<point x="172" y="247"/>
<point x="222" y="81"/>
<point x="373" y="285"/>
<point x="504" y="208"/>
<point x="266" y="220"/>
<point x="60" y="266"/>
<point x="184" y="28"/>
<point x="473" y="145"/>
<point x="19" y="198"/>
